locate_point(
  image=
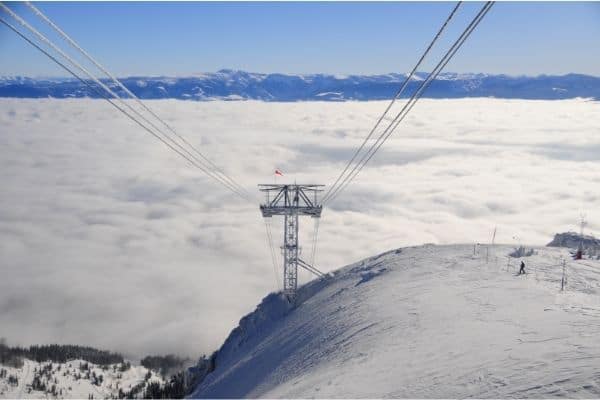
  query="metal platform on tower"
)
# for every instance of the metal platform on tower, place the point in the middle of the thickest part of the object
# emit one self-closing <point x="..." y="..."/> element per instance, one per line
<point x="291" y="201"/>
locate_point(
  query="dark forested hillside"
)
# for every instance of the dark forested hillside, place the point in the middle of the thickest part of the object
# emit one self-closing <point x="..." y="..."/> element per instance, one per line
<point x="57" y="353"/>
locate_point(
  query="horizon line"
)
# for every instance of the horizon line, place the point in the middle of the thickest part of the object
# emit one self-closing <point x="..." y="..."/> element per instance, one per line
<point x="334" y="75"/>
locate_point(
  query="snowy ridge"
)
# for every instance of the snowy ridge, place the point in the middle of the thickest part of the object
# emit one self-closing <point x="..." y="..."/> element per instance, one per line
<point x="230" y="84"/>
<point x="423" y="322"/>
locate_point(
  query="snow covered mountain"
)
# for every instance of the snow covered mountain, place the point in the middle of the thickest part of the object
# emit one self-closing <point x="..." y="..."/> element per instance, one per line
<point x="423" y="322"/>
<point x="239" y="85"/>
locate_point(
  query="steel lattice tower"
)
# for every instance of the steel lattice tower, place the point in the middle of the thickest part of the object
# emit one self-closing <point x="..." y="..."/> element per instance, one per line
<point x="291" y="201"/>
<point x="290" y="254"/>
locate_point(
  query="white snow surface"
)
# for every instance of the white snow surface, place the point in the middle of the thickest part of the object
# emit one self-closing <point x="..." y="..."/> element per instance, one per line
<point x="68" y="386"/>
<point x="423" y="322"/>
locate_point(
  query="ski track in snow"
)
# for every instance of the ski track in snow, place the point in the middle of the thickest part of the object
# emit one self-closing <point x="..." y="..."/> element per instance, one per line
<point x="26" y="378"/>
<point x="428" y="322"/>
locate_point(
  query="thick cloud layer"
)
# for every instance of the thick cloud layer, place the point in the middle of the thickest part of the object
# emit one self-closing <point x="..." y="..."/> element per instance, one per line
<point x="109" y="239"/>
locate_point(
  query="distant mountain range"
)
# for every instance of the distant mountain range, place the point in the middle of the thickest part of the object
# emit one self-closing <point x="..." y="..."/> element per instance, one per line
<point x="240" y="85"/>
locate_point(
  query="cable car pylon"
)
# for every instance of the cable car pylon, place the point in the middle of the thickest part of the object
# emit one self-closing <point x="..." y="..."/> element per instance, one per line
<point x="292" y="201"/>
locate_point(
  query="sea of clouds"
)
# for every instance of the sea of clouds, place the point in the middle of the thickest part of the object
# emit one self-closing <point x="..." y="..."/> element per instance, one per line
<point x="109" y="239"/>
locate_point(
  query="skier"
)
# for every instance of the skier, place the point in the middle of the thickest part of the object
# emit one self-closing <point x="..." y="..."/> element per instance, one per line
<point x="522" y="270"/>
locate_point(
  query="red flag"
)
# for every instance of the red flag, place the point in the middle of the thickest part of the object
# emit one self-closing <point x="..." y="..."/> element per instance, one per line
<point x="278" y="172"/>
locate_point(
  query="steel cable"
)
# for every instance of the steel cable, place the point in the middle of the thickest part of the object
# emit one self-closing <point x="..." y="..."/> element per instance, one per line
<point x="44" y="39"/>
<point x="411" y="102"/>
<point x="133" y="96"/>
<point x="272" y="250"/>
<point x="95" y="89"/>
<point x="398" y="94"/>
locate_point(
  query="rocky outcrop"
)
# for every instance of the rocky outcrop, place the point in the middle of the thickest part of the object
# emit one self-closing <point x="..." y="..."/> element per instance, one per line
<point x="573" y="240"/>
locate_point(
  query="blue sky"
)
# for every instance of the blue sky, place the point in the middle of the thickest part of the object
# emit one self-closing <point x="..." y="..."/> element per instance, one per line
<point x="342" y="38"/>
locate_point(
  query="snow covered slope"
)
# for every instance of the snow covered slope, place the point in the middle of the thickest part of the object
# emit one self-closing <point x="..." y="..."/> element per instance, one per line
<point x="423" y="322"/>
<point x="76" y="379"/>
